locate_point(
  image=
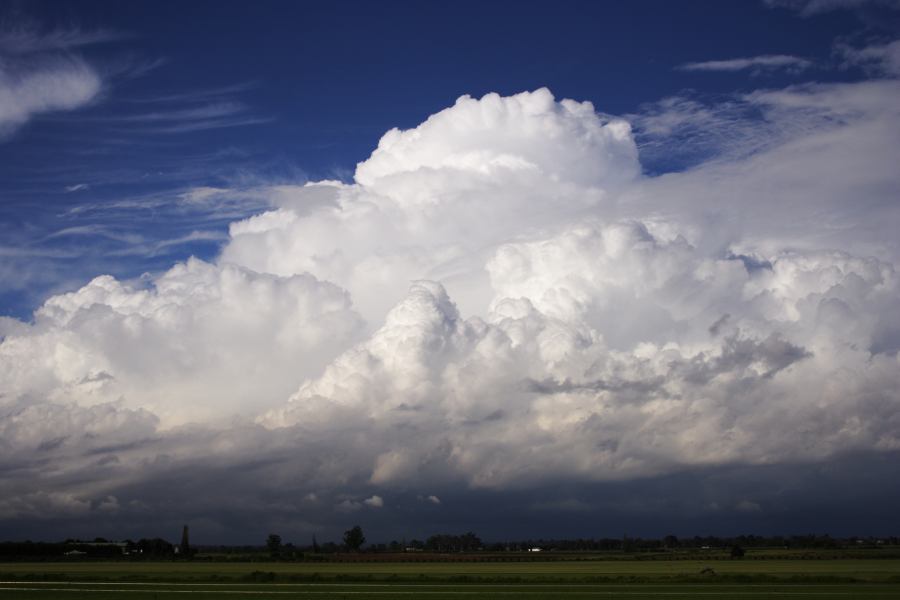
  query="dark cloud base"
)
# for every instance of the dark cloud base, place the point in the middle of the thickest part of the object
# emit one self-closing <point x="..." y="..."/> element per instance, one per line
<point x="852" y="495"/>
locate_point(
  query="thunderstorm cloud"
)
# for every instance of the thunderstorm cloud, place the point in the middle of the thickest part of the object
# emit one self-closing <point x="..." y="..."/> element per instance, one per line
<point x="501" y="299"/>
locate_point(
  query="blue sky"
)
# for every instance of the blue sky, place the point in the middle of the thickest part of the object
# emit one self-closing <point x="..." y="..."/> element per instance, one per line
<point x="446" y="266"/>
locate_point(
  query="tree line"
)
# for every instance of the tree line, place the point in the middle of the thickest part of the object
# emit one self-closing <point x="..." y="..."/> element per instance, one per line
<point x="354" y="541"/>
<point x="151" y="548"/>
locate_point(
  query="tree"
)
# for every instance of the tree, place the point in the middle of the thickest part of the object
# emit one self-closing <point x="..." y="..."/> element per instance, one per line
<point x="273" y="543"/>
<point x="737" y="552"/>
<point x="354" y="538"/>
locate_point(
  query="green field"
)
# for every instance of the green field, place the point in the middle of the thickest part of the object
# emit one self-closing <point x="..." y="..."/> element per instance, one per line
<point x="632" y="579"/>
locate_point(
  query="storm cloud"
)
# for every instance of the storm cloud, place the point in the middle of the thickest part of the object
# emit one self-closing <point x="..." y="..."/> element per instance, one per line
<point x="499" y="302"/>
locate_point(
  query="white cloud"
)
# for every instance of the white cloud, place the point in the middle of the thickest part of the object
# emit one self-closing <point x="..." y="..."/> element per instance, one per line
<point x="818" y="146"/>
<point x="878" y="58"/>
<point x="39" y="72"/>
<point x="203" y="342"/>
<point x="374" y="502"/>
<point x="649" y="392"/>
<point x="765" y="62"/>
<point x="527" y="133"/>
<point x="432" y="201"/>
<point x="501" y="300"/>
<point x="53" y="85"/>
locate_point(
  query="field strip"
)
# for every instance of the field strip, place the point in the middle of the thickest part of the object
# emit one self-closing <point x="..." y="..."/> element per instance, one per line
<point x="401" y="584"/>
<point x="416" y="592"/>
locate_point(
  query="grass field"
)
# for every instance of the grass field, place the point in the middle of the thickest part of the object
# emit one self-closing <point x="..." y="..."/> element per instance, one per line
<point x="634" y="580"/>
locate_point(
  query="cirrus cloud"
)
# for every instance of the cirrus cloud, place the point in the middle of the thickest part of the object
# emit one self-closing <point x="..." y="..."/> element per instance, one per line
<point x="765" y="62"/>
<point x="39" y="75"/>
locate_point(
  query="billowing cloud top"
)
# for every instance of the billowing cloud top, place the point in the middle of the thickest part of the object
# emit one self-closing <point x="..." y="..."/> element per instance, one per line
<point x="500" y="299"/>
<point x="528" y="133"/>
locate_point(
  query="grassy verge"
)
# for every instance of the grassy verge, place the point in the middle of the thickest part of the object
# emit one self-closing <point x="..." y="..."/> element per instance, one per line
<point x="790" y="571"/>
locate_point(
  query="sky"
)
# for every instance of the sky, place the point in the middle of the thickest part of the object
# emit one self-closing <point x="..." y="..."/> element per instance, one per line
<point x="569" y="269"/>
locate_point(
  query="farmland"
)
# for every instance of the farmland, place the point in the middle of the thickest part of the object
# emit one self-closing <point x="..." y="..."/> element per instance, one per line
<point x="537" y="579"/>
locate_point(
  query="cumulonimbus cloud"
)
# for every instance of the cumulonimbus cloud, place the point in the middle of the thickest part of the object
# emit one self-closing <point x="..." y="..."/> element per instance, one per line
<point x="502" y="299"/>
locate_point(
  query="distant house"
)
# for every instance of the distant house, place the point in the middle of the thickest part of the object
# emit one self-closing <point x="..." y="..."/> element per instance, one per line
<point x="74" y="553"/>
<point x="534" y="549"/>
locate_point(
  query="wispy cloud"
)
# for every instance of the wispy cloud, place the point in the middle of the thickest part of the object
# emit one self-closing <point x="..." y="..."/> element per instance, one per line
<point x="682" y="131"/>
<point x="39" y="74"/>
<point x="34" y="252"/>
<point x="60" y="84"/>
<point x="27" y="38"/>
<point x="808" y="8"/>
<point x="202" y="204"/>
<point x="198" y="95"/>
<point x="878" y="59"/>
<point x="188" y="127"/>
<point x="197" y="110"/>
<point x="160" y="247"/>
<point x="215" y="115"/>
<point x="94" y="230"/>
<point x="765" y="62"/>
<point x="209" y="111"/>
